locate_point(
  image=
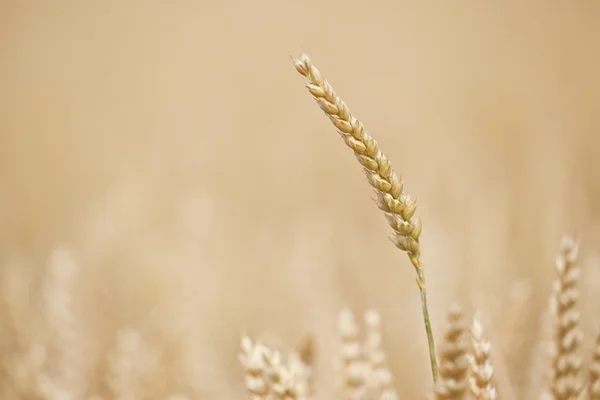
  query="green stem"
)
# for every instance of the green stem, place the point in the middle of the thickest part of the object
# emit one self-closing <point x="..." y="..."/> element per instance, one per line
<point x="422" y="290"/>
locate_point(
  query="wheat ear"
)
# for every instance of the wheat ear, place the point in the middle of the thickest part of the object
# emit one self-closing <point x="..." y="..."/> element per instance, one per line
<point x="353" y="365"/>
<point x="397" y="205"/>
<point x="454" y="362"/>
<point x="566" y="363"/>
<point x="376" y="356"/>
<point x="482" y="370"/>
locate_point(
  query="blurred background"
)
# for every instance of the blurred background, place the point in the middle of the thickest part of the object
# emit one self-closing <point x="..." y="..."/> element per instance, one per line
<point x="167" y="183"/>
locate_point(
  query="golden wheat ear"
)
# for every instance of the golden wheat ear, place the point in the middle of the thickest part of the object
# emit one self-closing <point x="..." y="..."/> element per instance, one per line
<point x="565" y="376"/>
<point x="453" y="357"/>
<point x="398" y="206"/>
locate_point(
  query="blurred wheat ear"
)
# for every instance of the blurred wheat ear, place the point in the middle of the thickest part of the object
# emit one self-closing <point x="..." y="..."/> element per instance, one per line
<point x="454" y="360"/>
<point x="566" y="382"/>
<point x="398" y="206"/>
<point x="482" y="383"/>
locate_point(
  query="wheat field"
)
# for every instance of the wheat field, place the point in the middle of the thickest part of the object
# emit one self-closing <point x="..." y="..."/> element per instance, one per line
<point x="172" y="199"/>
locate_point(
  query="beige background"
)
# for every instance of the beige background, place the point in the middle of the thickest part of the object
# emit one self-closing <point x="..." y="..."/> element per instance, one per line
<point x="172" y="148"/>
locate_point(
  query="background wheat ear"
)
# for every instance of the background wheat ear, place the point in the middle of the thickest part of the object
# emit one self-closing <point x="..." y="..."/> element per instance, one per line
<point x="352" y="366"/>
<point x="482" y="371"/>
<point x="453" y="357"/>
<point x="398" y="206"/>
<point x="383" y="378"/>
<point x="565" y="376"/>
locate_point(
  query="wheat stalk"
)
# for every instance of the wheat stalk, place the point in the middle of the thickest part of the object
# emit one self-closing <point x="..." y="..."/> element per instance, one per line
<point x="398" y="206"/>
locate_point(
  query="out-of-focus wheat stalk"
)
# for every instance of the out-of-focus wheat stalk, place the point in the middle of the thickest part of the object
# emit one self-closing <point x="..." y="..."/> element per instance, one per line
<point x="482" y="371"/>
<point x="453" y="357"/>
<point x="398" y="206"/>
<point x="565" y="381"/>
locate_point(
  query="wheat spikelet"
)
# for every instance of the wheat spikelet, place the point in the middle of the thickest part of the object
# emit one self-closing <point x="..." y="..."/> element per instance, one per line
<point x="565" y="380"/>
<point x="398" y="206"/>
<point x="482" y="372"/>
<point x="454" y="363"/>
<point x="594" y="373"/>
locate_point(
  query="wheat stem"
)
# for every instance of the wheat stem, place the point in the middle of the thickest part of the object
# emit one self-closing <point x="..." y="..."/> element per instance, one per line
<point x="397" y="205"/>
<point x="427" y="322"/>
